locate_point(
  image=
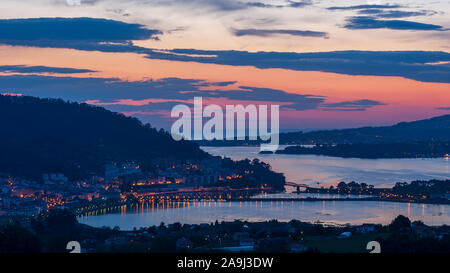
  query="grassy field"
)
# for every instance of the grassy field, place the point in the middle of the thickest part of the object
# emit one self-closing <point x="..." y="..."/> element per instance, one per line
<point x="354" y="244"/>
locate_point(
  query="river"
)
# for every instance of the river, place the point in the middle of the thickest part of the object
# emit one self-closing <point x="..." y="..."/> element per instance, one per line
<point x="325" y="170"/>
<point x="309" y="169"/>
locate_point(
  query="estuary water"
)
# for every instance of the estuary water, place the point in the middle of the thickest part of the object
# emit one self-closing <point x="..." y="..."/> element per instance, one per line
<point x="308" y="169"/>
<point x="317" y="170"/>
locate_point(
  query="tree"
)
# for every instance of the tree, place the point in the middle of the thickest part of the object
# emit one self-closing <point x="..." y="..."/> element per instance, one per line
<point x="400" y="223"/>
<point x="58" y="218"/>
<point x="16" y="239"/>
<point x="342" y="186"/>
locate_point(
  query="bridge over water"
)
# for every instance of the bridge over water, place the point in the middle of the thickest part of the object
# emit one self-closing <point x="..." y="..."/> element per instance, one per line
<point x="298" y="186"/>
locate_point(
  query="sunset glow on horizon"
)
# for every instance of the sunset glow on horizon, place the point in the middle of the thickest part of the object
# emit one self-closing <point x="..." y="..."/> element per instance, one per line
<point x="145" y="64"/>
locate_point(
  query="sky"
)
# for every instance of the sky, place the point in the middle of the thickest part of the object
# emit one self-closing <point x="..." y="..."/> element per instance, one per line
<point x="328" y="64"/>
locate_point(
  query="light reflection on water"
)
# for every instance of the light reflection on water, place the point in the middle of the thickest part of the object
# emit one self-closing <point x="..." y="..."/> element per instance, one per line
<point x="292" y="195"/>
<point x="310" y="169"/>
<point x="339" y="212"/>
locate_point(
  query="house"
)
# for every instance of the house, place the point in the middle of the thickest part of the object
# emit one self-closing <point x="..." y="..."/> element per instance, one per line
<point x="440" y="196"/>
<point x="52" y="177"/>
<point x="365" y="228"/>
<point x="114" y="170"/>
<point x="183" y="244"/>
<point x="344" y="235"/>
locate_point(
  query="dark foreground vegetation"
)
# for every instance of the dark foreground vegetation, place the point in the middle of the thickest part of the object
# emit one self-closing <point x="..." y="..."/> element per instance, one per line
<point x="52" y="232"/>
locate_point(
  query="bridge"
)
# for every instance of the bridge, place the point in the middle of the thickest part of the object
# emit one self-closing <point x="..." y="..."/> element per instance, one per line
<point x="296" y="185"/>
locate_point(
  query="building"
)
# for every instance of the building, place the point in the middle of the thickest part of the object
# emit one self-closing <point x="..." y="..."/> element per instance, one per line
<point x="344" y="235"/>
<point x="440" y="196"/>
<point x="365" y="228"/>
<point x="114" y="170"/>
<point x="183" y="244"/>
<point x="54" y="178"/>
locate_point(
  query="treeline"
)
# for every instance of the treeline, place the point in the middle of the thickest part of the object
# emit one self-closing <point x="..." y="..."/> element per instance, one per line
<point x="253" y="173"/>
<point x="423" y="187"/>
<point x="374" y="151"/>
<point x="51" y="135"/>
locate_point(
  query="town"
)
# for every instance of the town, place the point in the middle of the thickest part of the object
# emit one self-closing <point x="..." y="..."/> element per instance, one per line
<point x="214" y="178"/>
<point x="211" y="177"/>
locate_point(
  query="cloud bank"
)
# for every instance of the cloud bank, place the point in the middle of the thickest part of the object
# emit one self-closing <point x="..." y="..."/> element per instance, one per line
<point x="427" y="66"/>
<point x="367" y="22"/>
<point x="270" y="32"/>
<point x="90" y="31"/>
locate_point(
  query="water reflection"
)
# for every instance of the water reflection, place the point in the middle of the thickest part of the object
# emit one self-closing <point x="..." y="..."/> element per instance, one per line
<point x="312" y="169"/>
<point x="195" y="212"/>
<point x="292" y="195"/>
<point x="308" y="169"/>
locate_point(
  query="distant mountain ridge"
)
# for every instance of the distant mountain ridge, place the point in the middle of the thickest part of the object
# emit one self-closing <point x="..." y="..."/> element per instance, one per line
<point x="433" y="129"/>
<point x="436" y="129"/>
<point x="50" y="135"/>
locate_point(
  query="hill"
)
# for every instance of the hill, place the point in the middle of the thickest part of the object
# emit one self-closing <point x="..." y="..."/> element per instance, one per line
<point x="375" y="150"/>
<point x="50" y="135"/>
<point x="434" y="129"/>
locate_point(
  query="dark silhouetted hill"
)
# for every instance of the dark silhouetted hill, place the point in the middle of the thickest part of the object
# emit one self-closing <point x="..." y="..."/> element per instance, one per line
<point x="434" y="129"/>
<point x="375" y="150"/>
<point x="49" y="135"/>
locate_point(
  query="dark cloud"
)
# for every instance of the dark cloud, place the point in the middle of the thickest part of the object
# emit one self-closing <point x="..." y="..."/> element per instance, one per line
<point x="299" y="4"/>
<point x="294" y="101"/>
<point x="290" y="4"/>
<point x="42" y="69"/>
<point x="108" y="92"/>
<point x="262" y="5"/>
<point x="380" y="13"/>
<point x="224" y="83"/>
<point x="415" y="65"/>
<point x="366" y="22"/>
<point x="375" y="12"/>
<point x="58" y="31"/>
<point x="270" y="32"/>
<point x="409" y="64"/>
<point x="358" y="105"/>
<point x="444" y="108"/>
<point x="365" y="7"/>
